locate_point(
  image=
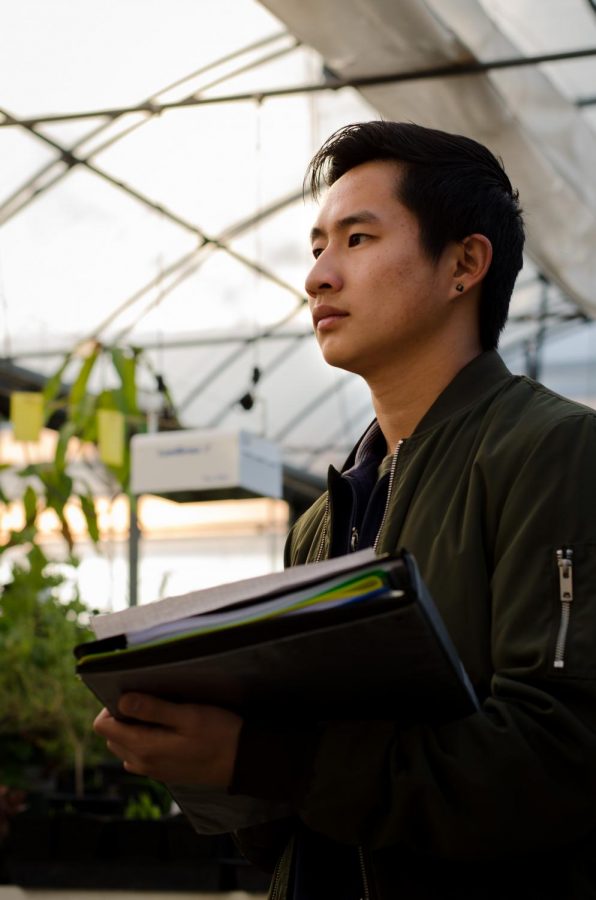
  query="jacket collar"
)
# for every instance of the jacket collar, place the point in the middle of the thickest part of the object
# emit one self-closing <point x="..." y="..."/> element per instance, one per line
<point x="483" y="375"/>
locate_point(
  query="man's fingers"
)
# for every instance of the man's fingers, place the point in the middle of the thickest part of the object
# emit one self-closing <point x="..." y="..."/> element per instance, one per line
<point x="119" y="750"/>
<point x="173" y="742"/>
<point x="134" y="769"/>
<point x="127" y="734"/>
<point x="129" y="761"/>
<point x="101" y="718"/>
<point x="154" y="710"/>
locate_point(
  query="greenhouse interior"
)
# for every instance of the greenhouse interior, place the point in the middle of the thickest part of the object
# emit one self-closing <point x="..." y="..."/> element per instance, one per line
<point x="166" y="413"/>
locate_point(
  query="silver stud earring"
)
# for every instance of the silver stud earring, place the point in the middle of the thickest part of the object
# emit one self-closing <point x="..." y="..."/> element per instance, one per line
<point x="459" y="287"/>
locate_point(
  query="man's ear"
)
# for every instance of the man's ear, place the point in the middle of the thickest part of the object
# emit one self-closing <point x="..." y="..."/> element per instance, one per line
<point x="473" y="257"/>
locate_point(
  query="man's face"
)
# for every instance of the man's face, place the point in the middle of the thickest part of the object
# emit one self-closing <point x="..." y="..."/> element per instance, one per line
<point x="374" y="292"/>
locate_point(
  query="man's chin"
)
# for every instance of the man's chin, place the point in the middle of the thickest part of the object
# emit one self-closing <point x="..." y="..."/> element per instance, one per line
<point x="341" y="361"/>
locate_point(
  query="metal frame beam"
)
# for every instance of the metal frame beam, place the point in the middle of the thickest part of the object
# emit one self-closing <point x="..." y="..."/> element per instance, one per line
<point x="451" y="70"/>
<point x="313" y="404"/>
<point x="174" y="344"/>
<point x="194" y="229"/>
<point x="265" y="372"/>
<point x="70" y="160"/>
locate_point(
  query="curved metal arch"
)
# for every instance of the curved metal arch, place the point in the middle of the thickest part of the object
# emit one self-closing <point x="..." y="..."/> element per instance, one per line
<point x="361" y="412"/>
<point x="313" y="404"/>
<point x="8" y="209"/>
<point x="265" y="371"/>
<point x="194" y="258"/>
<point x="233" y="356"/>
<point x="71" y="160"/>
<point x="217" y="242"/>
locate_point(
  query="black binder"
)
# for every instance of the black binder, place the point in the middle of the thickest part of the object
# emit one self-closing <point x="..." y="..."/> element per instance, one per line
<point x="385" y="657"/>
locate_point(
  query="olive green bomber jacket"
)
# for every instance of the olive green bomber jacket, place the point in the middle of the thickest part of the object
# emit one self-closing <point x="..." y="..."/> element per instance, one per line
<point x="495" y="495"/>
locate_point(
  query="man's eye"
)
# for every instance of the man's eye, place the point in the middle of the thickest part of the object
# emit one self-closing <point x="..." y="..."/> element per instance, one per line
<point x="316" y="252"/>
<point x="355" y="239"/>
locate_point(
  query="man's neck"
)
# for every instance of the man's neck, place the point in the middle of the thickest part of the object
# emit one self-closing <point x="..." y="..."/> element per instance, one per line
<point x="404" y="395"/>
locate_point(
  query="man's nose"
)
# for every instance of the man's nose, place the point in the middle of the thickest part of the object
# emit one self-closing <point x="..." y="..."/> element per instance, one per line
<point x="322" y="278"/>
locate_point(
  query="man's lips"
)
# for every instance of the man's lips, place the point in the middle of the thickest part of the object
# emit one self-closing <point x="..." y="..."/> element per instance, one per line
<point x="325" y="316"/>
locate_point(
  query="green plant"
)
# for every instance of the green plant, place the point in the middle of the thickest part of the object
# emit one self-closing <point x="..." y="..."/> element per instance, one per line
<point x="142" y="806"/>
<point x="49" y="485"/>
<point x="42" y="616"/>
<point x="41" y="619"/>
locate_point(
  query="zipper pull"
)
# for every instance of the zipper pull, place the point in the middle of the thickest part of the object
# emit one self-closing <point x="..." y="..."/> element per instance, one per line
<point x="354" y="539"/>
<point x="565" y="564"/>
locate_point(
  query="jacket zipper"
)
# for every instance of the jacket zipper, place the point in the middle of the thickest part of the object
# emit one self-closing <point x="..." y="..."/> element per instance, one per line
<point x="279" y="881"/>
<point x="274" y="893"/>
<point x="353" y="546"/>
<point x="324" y="532"/>
<point x="565" y="564"/>
<point x="354" y="535"/>
<point x="389" y="491"/>
<point x="365" y="887"/>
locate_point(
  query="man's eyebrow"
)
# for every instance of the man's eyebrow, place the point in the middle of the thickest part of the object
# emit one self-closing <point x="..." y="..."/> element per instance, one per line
<point x="363" y="217"/>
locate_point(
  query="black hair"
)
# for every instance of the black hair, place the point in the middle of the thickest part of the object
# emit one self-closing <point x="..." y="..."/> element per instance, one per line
<point x="454" y="186"/>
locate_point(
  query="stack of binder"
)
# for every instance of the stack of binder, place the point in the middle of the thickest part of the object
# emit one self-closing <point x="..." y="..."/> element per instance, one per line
<point x="357" y="637"/>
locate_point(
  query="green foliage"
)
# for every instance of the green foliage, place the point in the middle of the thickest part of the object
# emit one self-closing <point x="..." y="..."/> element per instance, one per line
<point x="81" y="405"/>
<point x="124" y="400"/>
<point x="48" y="485"/>
<point x="53" y="385"/>
<point x="150" y="800"/>
<point x="142" y="806"/>
<point x="68" y="430"/>
<point x="88" y="507"/>
<point x="58" y="490"/>
<point x="18" y="757"/>
<point x="43" y="707"/>
<point x="30" y="504"/>
<point x="125" y="364"/>
<point x="40" y="698"/>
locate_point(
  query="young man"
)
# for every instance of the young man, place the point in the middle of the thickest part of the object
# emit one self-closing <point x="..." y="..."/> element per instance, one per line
<point x="490" y="481"/>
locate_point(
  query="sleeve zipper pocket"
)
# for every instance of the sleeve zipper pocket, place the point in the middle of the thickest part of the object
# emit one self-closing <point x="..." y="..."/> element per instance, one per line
<point x="565" y="566"/>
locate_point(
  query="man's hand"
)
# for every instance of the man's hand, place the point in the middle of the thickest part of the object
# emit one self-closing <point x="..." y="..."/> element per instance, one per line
<point x="184" y="744"/>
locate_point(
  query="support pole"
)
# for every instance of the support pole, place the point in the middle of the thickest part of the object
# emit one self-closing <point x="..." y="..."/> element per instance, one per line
<point x="134" y="538"/>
